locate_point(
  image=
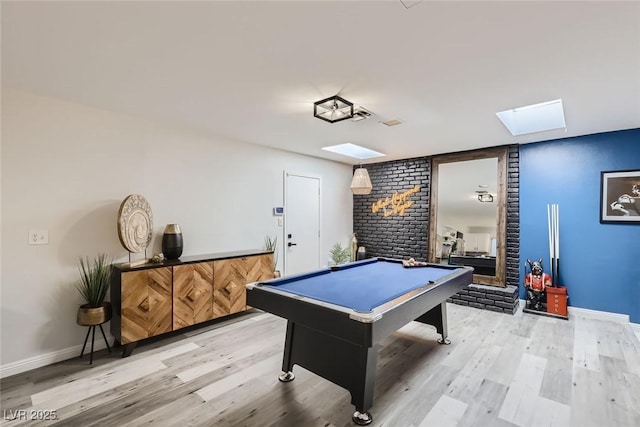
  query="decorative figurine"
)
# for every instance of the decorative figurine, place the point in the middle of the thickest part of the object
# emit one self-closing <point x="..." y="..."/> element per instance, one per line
<point x="535" y="282"/>
<point x="353" y="247"/>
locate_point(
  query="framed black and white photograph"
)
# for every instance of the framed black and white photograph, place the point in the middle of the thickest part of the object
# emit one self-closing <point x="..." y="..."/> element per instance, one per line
<point x="620" y="197"/>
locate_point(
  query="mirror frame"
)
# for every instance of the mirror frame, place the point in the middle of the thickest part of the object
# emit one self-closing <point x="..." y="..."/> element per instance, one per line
<point x="501" y="225"/>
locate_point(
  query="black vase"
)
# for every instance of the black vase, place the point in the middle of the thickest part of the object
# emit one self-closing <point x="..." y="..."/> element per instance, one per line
<point x="172" y="241"/>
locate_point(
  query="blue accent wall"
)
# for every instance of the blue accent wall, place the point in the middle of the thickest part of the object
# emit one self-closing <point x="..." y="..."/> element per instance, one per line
<point x="599" y="263"/>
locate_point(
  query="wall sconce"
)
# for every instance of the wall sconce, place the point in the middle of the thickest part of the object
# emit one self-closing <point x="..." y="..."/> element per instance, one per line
<point x="485" y="197"/>
<point x="333" y="109"/>
<point x="361" y="183"/>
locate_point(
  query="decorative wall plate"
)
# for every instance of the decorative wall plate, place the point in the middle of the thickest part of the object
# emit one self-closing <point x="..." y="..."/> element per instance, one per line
<point x="135" y="223"/>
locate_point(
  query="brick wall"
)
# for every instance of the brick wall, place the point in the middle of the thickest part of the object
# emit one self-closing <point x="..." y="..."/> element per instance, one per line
<point x="513" y="217"/>
<point x="408" y="236"/>
<point x="397" y="236"/>
<point x="503" y="300"/>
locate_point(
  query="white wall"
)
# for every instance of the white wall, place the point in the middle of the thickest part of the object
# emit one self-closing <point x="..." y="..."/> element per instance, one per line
<point x="67" y="167"/>
<point x="468" y="223"/>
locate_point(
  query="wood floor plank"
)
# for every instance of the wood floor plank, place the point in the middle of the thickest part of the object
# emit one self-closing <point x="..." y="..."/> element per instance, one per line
<point x="585" y="344"/>
<point x="59" y="397"/>
<point x="610" y="336"/>
<point x="505" y="366"/>
<point x="550" y="338"/>
<point x="469" y="379"/>
<point x="550" y="413"/>
<point x="556" y="383"/>
<point x="518" y="407"/>
<point x="418" y="401"/>
<point x="621" y="389"/>
<point x="447" y="412"/>
<point x="630" y="343"/>
<point x="237" y="379"/>
<point x="485" y="406"/>
<point x="522" y="324"/>
<point x="499" y="371"/>
<point x="588" y="399"/>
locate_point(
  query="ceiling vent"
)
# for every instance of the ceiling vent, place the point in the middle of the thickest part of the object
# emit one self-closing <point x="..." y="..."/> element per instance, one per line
<point x="484" y="196"/>
<point x="360" y="113"/>
<point x="392" y="122"/>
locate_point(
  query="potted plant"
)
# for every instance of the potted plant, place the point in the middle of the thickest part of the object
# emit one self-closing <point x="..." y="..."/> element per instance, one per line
<point x="271" y="244"/>
<point x="95" y="279"/>
<point x="340" y="254"/>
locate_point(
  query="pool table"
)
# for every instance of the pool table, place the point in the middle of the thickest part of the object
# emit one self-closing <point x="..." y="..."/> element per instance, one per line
<point x="337" y="316"/>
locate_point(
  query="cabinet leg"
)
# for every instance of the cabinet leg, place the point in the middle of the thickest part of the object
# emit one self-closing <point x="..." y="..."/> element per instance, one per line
<point x="127" y="349"/>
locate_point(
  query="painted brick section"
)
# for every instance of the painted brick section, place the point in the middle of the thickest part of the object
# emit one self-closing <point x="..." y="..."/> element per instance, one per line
<point x="504" y="300"/>
<point x="396" y="236"/>
<point x="407" y="236"/>
<point x="513" y="217"/>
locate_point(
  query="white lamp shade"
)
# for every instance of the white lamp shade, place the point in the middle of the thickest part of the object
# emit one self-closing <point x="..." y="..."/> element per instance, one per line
<point x="361" y="183"/>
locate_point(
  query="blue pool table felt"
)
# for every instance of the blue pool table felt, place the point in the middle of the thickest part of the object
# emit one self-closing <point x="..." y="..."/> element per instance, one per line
<point x="361" y="287"/>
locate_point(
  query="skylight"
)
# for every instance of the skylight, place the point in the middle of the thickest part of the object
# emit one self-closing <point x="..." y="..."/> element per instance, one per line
<point x="353" y="150"/>
<point x="534" y="118"/>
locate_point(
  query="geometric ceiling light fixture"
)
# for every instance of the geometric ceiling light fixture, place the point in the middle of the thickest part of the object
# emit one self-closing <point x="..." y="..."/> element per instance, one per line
<point x="333" y="109"/>
<point x="534" y="118"/>
<point x="361" y="183"/>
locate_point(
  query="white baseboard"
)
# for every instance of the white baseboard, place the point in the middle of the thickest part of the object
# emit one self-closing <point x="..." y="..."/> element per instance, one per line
<point x="50" y="358"/>
<point x="595" y="314"/>
<point x="599" y="315"/>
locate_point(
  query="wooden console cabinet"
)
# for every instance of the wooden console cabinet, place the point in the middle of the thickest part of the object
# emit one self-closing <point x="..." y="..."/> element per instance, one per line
<point x="154" y="299"/>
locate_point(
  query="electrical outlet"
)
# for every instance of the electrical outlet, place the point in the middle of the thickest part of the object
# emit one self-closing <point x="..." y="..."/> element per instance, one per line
<point x="38" y="237"/>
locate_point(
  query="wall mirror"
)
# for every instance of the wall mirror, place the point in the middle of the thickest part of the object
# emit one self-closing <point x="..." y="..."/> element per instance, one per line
<point x="467" y="215"/>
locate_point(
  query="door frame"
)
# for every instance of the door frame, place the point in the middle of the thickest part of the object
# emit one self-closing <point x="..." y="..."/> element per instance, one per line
<point x="285" y="174"/>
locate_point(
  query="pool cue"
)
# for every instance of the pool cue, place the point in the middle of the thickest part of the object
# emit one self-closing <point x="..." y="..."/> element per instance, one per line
<point x="551" y="245"/>
<point x="557" y="243"/>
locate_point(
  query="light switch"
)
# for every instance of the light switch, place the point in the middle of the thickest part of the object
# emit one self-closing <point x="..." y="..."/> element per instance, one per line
<point x="38" y="237"/>
<point x="280" y="222"/>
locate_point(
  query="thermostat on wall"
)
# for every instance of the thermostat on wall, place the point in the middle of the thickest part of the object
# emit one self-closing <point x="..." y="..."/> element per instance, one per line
<point x="278" y="211"/>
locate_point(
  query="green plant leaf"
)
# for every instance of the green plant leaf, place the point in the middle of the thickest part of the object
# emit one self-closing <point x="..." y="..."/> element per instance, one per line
<point x="340" y="254"/>
<point x="95" y="279"/>
<point x="271" y="244"/>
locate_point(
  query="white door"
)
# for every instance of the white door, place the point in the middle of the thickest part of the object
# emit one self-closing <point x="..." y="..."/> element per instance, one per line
<point x="301" y="223"/>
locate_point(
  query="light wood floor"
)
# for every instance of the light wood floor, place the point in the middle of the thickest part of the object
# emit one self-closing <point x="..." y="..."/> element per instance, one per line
<point x="500" y="370"/>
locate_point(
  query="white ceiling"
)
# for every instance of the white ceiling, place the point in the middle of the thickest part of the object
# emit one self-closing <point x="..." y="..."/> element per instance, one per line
<point x="250" y="71"/>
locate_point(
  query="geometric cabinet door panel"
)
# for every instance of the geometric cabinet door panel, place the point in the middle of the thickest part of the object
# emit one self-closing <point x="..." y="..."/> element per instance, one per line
<point x="146" y="304"/>
<point x="192" y="294"/>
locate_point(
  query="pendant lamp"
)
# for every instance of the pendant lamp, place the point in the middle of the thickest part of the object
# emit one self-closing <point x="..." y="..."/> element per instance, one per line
<point x="361" y="183"/>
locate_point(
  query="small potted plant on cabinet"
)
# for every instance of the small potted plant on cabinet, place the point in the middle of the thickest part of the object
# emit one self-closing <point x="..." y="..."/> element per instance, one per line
<point x="271" y="244"/>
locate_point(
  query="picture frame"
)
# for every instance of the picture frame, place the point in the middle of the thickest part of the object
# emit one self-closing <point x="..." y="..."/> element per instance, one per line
<point x="620" y="197"/>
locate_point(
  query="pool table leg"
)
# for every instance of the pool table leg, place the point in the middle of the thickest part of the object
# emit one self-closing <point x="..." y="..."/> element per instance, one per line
<point x="346" y="364"/>
<point x="437" y="317"/>
<point x="362" y="392"/>
<point x="287" y="361"/>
